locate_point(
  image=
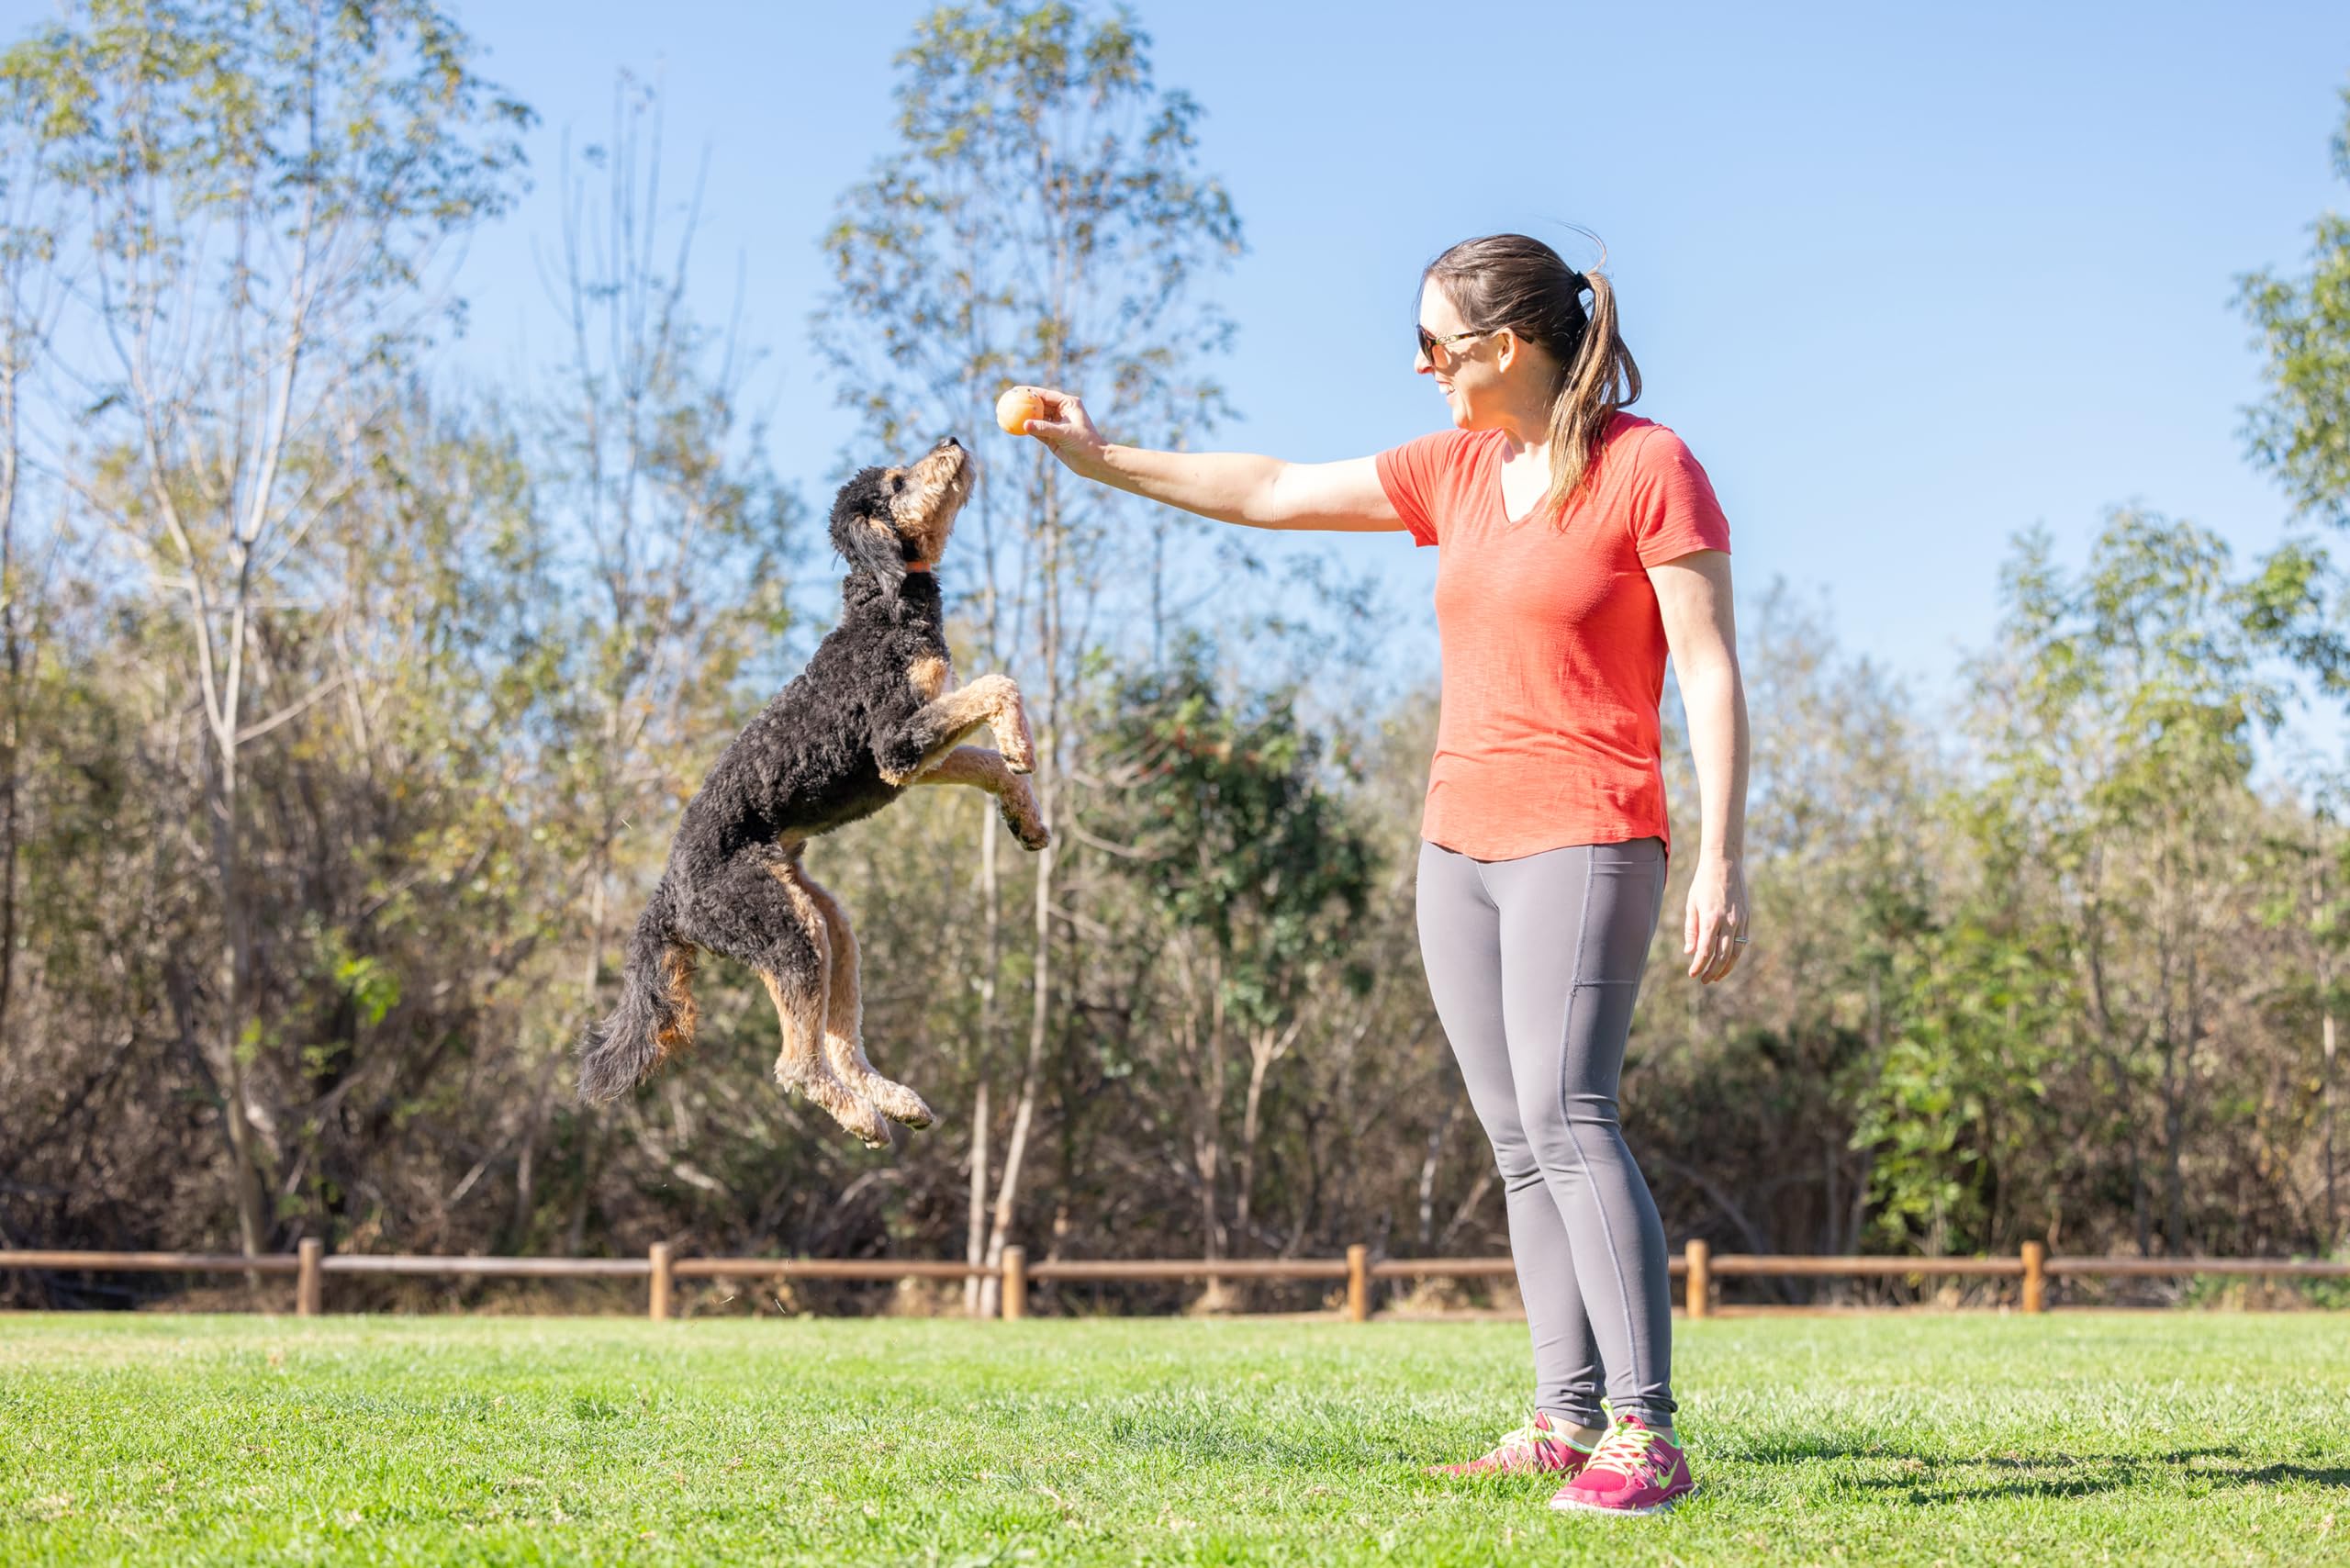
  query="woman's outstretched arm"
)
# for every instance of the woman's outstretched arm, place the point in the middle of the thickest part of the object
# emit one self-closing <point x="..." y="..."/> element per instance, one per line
<point x="1230" y="487"/>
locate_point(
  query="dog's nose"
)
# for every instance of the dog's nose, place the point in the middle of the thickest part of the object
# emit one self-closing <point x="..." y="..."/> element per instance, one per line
<point x="945" y="442"/>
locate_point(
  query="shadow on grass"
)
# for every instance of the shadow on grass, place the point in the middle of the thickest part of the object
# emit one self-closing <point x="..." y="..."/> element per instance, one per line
<point x="1939" y="1478"/>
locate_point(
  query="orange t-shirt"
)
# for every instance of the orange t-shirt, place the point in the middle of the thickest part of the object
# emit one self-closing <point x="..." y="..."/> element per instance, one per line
<point x="1553" y="648"/>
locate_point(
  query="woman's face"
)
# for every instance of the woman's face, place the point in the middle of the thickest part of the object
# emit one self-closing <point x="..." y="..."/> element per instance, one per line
<point x="1468" y="373"/>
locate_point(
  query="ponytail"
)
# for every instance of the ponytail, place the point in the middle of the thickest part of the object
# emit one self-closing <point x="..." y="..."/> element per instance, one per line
<point x="1510" y="280"/>
<point x="1599" y="380"/>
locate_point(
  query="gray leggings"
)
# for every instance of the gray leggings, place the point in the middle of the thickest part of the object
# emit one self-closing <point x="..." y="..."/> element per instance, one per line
<point x="1534" y="964"/>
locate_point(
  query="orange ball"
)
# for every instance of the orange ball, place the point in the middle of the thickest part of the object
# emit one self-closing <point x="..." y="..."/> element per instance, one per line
<point x="1016" y="407"/>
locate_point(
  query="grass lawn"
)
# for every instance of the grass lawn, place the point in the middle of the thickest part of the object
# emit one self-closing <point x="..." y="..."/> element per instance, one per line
<point x="2129" y="1437"/>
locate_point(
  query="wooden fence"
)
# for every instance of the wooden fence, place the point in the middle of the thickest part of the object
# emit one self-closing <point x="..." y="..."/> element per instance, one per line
<point x="661" y="1268"/>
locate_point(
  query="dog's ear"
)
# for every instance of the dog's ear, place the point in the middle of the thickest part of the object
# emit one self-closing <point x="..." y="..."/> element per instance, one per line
<point x="863" y="532"/>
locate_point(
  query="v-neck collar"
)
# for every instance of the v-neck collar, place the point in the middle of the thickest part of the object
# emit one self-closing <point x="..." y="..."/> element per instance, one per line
<point x="1501" y="491"/>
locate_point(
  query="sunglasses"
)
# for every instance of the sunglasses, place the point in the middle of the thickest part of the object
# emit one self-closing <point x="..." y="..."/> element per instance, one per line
<point x="1431" y="342"/>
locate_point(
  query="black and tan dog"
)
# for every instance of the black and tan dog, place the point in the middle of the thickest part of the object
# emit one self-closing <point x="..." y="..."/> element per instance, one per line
<point x="876" y="710"/>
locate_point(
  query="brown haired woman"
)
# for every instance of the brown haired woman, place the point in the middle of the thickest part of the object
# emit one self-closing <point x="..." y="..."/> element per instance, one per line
<point x="1577" y="546"/>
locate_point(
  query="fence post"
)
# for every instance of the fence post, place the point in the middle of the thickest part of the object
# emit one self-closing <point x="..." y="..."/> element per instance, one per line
<point x="1016" y="1283"/>
<point x="1358" y="1285"/>
<point x="1700" y="1281"/>
<point x="656" y="1305"/>
<point x="2035" y="1277"/>
<point x="305" y="1280"/>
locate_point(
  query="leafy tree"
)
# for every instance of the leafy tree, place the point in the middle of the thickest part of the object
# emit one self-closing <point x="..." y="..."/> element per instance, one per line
<point x="2302" y="432"/>
<point x="1041" y="218"/>
<point x="664" y="542"/>
<point x="1260" y="877"/>
<point x="262" y="189"/>
<point x="2118" y="718"/>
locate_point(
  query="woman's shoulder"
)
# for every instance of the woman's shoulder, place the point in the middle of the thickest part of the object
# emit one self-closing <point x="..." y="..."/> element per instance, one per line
<point x="1638" y="437"/>
<point x="1642" y="448"/>
<point x="1439" y="461"/>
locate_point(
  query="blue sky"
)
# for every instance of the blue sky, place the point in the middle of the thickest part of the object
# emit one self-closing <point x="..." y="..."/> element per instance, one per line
<point x="1907" y="278"/>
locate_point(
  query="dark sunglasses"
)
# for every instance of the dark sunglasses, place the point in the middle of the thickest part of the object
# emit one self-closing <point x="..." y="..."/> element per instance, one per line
<point x="1431" y="342"/>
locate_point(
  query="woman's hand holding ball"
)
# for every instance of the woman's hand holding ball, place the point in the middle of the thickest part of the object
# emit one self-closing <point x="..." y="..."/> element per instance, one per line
<point x="1060" y="420"/>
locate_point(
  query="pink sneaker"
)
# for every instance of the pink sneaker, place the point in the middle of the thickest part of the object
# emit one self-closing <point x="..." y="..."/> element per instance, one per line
<point x="1535" y="1447"/>
<point x="1632" y="1470"/>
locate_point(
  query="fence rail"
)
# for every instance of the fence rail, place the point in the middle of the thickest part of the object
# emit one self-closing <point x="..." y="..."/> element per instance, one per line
<point x="1697" y="1266"/>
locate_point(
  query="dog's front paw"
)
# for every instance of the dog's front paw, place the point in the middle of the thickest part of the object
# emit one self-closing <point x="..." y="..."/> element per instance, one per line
<point x="1030" y="829"/>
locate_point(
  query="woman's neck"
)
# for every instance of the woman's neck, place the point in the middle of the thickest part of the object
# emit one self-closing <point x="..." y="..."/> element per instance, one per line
<point x="1527" y="425"/>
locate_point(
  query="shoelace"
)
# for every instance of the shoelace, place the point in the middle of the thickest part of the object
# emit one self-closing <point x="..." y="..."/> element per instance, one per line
<point x="1627" y="1450"/>
<point x="1525" y="1439"/>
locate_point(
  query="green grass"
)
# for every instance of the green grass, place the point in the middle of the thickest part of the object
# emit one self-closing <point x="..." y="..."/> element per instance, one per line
<point x="2079" y="1438"/>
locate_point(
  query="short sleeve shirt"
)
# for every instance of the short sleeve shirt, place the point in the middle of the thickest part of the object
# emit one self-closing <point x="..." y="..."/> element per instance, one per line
<point x="1553" y="646"/>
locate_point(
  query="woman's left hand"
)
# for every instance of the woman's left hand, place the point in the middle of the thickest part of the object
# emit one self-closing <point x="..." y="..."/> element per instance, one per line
<point x="1714" y="931"/>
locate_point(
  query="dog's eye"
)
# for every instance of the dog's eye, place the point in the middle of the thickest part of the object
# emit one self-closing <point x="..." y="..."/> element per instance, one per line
<point x="899" y="483"/>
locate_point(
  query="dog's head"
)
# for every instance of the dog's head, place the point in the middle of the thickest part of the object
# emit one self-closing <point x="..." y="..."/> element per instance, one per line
<point x="887" y="521"/>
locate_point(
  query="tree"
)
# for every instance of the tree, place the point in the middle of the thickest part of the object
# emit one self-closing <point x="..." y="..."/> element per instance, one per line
<point x="2302" y="432"/>
<point x="665" y="552"/>
<point x="1041" y="218"/>
<point x="32" y="294"/>
<point x="262" y="190"/>
<point x="2118" y="715"/>
<point x="1260" y="881"/>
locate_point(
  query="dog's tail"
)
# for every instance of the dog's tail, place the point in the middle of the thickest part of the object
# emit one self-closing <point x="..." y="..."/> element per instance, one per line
<point x="655" y="1016"/>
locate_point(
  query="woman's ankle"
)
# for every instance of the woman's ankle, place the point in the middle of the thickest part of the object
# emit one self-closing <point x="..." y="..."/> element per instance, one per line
<point x="1585" y="1435"/>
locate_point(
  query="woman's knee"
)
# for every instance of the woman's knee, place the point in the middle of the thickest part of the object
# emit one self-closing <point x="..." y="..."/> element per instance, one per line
<point x="1514" y="1156"/>
<point x="1563" y="1132"/>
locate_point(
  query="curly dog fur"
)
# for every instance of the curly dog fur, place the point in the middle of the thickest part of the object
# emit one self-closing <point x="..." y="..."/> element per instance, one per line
<point x="877" y="710"/>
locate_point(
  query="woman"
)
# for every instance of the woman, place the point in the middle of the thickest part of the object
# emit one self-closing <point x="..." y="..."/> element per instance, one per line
<point x="1577" y="546"/>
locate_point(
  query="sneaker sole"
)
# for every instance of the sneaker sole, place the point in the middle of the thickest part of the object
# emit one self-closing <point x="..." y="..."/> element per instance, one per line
<point x="1569" y="1505"/>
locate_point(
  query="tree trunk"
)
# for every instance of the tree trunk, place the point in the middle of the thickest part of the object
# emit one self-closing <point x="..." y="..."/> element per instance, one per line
<point x="976" y="1299"/>
<point x="1428" y="1165"/>
<point x="1015" y="1150"/>
<point x="1244" y="1184"/>
<point x="1207" y="1144"/>
<point x="2326" y="1052"/>
<point x="979" y="1293"/>
<point x="591" y="1142"/>
<point x="13" y="648"/>
<point x="2176" y="1047"/>
<point x="2333" y="1218"/>
<point x="236" y="1000"/>
<point x="1265" y="1048"/>
<point x="2116" y="1063"/>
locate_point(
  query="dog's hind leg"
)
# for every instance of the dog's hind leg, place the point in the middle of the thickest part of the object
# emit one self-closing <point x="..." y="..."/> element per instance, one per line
<point x="754" y="909"/>
<point x="844" y="1015"/>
